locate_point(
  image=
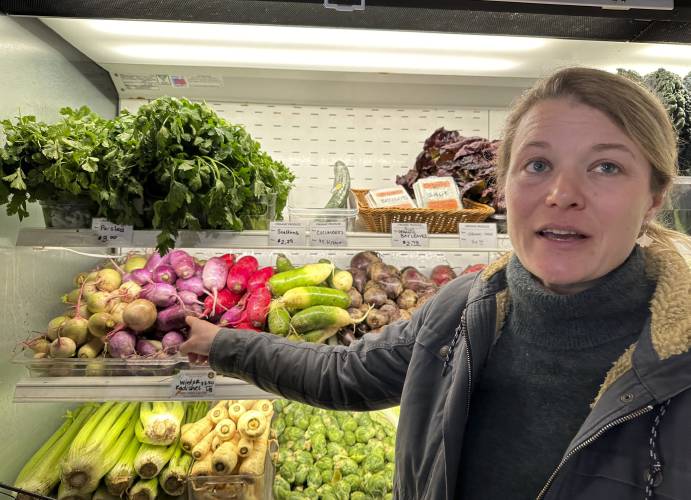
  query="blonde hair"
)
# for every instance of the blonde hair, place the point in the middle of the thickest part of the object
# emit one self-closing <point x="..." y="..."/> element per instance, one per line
<point x="638" y="113"/>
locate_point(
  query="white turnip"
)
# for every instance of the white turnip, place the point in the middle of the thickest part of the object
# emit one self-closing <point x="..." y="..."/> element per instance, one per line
<point x="38" y="344"/>
<point x="121" y="344"/>
<point x="98" y="302"/>
<point x="63" y="347"/>
<point x="116" y="310"/>
<point x="54" y="326"/>
<point x="140" y="315"/>
<point x="128" y="291"/>
<point x="134" y="262"/>
<point x="182" y="263"/>
<point x="71" y="297"/>
<point x="100" y="324"/>
<point x="108" y="280"/>
<point x="83" y="311"/>
<point x="91" y="349"/>
<point x="76" y="329"/>
<point x="164" y="274"/>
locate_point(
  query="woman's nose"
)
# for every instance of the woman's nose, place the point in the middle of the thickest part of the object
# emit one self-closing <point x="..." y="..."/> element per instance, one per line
<point x="565" y="191"/>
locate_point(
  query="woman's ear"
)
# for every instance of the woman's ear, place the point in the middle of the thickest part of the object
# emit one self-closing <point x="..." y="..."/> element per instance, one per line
<point x="658" y="200"/>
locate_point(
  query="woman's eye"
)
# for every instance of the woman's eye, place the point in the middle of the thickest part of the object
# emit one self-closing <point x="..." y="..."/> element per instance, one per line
<point x="537" y="167"/>
<point x="608" y="168"/>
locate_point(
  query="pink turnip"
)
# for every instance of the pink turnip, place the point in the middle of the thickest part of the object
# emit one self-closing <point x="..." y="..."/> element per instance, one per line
<point x="193" y="284"/>
<point x="161" y="294"/>
<point x="172" y="318"/>
<point x="171" y="341"/>
<point x="214" y="276"/>
<point x="141" y="276"/>
<point x="182" y="263"/>
<point x="146" y="347"/>
<point x="121" y="344"/>
<point x="164" y="274"/>
<point x="155" y="259"/>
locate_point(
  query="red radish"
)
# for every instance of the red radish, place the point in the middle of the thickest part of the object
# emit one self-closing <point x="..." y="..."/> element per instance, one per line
<point x="182" y="263"/>
<point x="475" y="268"/>
<point x="233" y="316"/>
<point x="442" y="274"/>
<point x="140" y="315"/>
<point x="229" y="258"/>
<point x="171" y="341"/>
<point x="188" y="297"/>
<point x="214" y="277"/>
<point x="161" y="294"/>
<point x="121" y="344"/>
<point x="258" y="307"/>
<point x="241" y="272"/>
<point x="193" y="284"/>
<point x="172" y="318"/>
<point x="259" y="278"/>
<point x="164" y="274"/>
<point x="225" y="299"/>
<point x="146" y="347"/>
<point x="141" y="276"/>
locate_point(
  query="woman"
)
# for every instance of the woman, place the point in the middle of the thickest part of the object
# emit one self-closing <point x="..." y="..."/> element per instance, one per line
<point x="506" y="379"/>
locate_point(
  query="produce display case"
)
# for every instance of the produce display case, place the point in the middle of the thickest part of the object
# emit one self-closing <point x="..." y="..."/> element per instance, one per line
<point x="677" y="213"/>
<point x="306" y="205"/>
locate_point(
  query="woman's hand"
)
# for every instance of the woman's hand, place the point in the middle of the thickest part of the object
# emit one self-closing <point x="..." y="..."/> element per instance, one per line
<point x="198" y="345"/>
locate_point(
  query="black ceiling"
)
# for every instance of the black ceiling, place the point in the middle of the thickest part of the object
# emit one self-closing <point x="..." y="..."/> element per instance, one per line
<point x="460" y="16"/>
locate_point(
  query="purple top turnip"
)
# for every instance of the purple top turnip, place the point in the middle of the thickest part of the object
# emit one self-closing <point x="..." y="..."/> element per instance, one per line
<point x="121" y="344"/>
<point x="146" y="347"/>
<point x="182" y="263"/>
<point x="171" y="341"/>
<point x="193" y="284"/>
<point x="161" y="294"/>
<point x="140" y="276"/>
<point x="164" y="274"/>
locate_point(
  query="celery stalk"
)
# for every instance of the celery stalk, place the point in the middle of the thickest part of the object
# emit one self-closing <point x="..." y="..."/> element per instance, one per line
<point x="151" y="459"/>
<point x="97" y="448"/>
<point x="42" y="472"/>
<point x="67" y="493"/>
<point x="122" y="475"/>
<point x="173" y="477"/>
<point x="161" y="422"/>
<point x="144" y="489"/>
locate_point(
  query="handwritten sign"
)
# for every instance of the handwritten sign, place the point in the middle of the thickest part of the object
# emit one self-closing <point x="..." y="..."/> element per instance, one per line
<point x="287" y="234"/>
<point x="109" y="233"/>
<point x="328" y="234"/>
<point x="409" y="234"/>
<point x="477" y="235"/>
<point x="194" y="384"/>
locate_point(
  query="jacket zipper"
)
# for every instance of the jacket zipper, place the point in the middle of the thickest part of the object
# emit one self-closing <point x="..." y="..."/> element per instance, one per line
<point x="590" y="441"/>
<point x="464" y="333"/>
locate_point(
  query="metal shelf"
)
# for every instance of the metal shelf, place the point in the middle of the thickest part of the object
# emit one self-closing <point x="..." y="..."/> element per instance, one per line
<point x="251" y="240"/>
<point x="149" y="388"/>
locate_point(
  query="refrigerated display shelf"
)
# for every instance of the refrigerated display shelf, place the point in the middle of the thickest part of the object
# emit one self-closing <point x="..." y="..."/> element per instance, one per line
<point x="250" y="240"/>
<point x="143" y="388"/>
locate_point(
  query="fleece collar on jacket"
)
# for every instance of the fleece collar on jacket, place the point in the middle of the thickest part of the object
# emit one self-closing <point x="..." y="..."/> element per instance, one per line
<point x="670" y="307"/>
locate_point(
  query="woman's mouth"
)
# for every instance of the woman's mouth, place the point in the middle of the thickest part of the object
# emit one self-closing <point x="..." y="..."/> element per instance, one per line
<point x="555" y="234"/>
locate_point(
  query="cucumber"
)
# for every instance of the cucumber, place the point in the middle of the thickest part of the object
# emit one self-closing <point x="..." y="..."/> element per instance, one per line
<point x="319" y="336"/>
<point x="339" y="279"/>
<point x="278" y="320"/>
<point x="311" y="274"/>
<point x="283" y="264"/>
<point x="307" y="296"/>
<point x="320" y="317"/>
<point x="341" y="186"/>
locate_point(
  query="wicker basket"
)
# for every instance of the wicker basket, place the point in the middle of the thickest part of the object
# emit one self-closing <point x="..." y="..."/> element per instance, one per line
<point x="438" y="221"/>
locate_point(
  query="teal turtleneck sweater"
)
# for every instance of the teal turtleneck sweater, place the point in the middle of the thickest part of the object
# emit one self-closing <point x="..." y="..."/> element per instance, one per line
<point x="542" y="374"/>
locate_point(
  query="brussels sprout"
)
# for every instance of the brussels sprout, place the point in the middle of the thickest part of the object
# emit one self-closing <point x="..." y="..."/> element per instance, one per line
<point x="288" y="419"/>
<point x="300" y="445"/>
<point x="301" y="474"/>
<point x="316" y="419"/>
<point x="326" y="492"/>
<point x="293" y="433"/>
<point x="342" y="490"/>
<point x="389" y="453"/>
<point x="310" y="492"/>
<point x="389" y="472"/>
<point x="358" y="495"/>
<point x="350" y="424"/>
<point x="376" y="485"/>
<point x="329" y="420"/>
<point x="376" y="448"/>
<point x="327" y="475"/>
<point x="284" y="455"/>
<point x="347" y="465"/>
<point x="287" y="471"/>
<point x="281" y="488"/>
<point x="358" y="452"/>
<point x="318" y="443"/>
<point x="388" y="496"/>
<point x="363" y="419"/>
<point x="354" y="481"/>
<point x="349" y="438"/>
<point x="301" y="421"/>
<point x="334" y="434"/>
<point x="315" y="427"/>
<point x="280" y="405"/>
<point x="279" y="425"/>
<point x="295" y="495"/>
<point x="324" y="463"/>
<point x="314" y="478"/>
<point x="303" y="457"/>
<point x="374" y="463"/>
<point x="380" y="434"/>
<point x="333" y="449"/>
<point x="364" y="434"/>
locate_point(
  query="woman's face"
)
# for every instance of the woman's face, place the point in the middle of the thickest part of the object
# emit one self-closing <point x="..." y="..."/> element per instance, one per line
<point x="577" y="193"/>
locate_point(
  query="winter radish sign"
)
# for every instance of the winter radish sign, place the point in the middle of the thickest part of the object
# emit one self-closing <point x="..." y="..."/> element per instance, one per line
<point x="194" y="384"/>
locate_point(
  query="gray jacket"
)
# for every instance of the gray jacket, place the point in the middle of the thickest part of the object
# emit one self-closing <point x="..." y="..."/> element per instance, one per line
<point x="637" y="434"/>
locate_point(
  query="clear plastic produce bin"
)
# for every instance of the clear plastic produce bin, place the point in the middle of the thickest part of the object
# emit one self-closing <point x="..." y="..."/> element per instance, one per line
<point x="677" y="213"/>
<point x="235" y="487"/>
<point x="306" y="204"/>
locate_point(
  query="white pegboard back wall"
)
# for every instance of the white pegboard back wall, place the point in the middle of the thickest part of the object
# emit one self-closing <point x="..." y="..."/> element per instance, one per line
<point x="376" y="143"/>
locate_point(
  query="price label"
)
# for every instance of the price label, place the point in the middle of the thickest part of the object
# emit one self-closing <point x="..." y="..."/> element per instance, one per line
<point x="109" y="233"/>
<point x="409" y="234"/>
<point x="287" y="234"/>
<point x="478" y="235"/>
<point x="328" y="234"/>
<point x="194" y="384"/>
